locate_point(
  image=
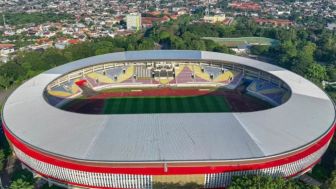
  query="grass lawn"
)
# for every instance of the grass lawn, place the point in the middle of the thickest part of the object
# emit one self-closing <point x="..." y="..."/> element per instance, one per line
<point x="234" y="42"/>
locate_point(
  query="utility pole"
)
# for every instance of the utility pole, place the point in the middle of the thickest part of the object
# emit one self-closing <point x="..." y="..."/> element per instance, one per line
<point x="4" y="20"/>
<point x="208" y="7"/>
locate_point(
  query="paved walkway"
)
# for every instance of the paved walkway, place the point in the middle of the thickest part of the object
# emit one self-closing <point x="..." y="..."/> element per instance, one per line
<point x="10" y="166"/>
<point x="310" y="181"/>
<point x="5" y="93"/>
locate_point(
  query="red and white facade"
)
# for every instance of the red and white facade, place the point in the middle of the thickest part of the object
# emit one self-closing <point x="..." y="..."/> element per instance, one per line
<point x="141" y="176"/>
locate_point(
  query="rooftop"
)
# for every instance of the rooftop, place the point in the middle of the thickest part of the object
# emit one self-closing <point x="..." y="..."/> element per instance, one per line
<point x="303" y="119"/>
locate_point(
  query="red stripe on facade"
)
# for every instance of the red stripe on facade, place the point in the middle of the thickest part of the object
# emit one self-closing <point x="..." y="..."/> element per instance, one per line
<point x="67" y="182"/>
<point x="94" y="187"/>
<point x="171" y="169"/>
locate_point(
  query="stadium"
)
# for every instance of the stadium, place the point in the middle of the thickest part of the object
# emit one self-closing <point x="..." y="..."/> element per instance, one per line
<point x="133" y="119"/>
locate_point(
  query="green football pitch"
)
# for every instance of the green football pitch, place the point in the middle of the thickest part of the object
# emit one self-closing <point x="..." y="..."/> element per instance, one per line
<point x="165" y="100"/>
<point x="167" y="104"/>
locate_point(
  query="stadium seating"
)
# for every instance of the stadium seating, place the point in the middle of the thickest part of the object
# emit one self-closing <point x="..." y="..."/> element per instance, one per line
<point x="268" y="91"/>
<point x="127" y="76"/>
<point x="65" y="90"/>
<point x="199" y="75"/>
<point x="116" y="71"/>
<point x="215" y="71"/>
<point x="237" y="78"/>
<point x="100" y="77"/>
<point x="183" y="75"/>
<point x="225" y="77"/>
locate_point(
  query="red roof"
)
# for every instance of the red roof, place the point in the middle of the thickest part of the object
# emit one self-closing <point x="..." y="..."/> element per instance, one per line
<point x="245" y="5"/>
<point x="150" y="20"/>
<point x="6" y="46"/>
<point x="42" y="40"/>
<point x="154" y="13"/>
<point x="73" y="41"/>
<point x="174" y="17"/>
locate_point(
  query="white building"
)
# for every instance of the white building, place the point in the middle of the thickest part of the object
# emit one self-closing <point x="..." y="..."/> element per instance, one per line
<point x="133" y="21"/>
<point x="214" y="19"/>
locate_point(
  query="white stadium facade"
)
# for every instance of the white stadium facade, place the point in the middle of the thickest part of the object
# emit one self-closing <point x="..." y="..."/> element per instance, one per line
<point x="136" y="150"/>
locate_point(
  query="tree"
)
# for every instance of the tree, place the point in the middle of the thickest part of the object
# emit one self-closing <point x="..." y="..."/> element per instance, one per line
<point x="11" y="73"/>
<point x="2" y="159"/>
<point x="54" y="57"/>
<point x="259" y="49"/>
<point x="287" y="53"/>
<point x="146" y="44"/>
<point x="331" y="71"/>
<point x="24" y="175"/>
<point x="81" y="50"/>
<point x="164" y="35"/>
<point x="331" y="183"/>
<point x="304" y="59"/>
<point x="102" y="47"/>
<point x="265" y="182"/>
<point x="5" y="82"/>
<point x="316" y="72"/>
<point x="177" y="43"/>
<point x="21" y="184"/>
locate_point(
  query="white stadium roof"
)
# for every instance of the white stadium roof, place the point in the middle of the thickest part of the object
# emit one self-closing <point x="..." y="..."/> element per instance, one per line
<point x="304" y="118"/>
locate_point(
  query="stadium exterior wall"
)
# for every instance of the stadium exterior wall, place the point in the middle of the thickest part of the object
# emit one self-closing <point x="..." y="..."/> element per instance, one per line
<point x="83" y="175"/>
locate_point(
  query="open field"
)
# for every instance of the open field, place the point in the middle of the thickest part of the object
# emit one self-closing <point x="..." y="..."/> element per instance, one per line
<point x="234" y="42"/>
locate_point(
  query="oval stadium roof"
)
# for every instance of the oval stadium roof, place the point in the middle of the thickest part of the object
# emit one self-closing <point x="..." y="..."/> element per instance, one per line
<point x="304" y="118"/>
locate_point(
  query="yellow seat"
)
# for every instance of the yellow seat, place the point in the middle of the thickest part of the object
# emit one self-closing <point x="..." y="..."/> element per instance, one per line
<point x="224" y="76"/>
<point x="59" y="93"/>
<point x="198" y="72"/>
<point x="128" y="74"/>
<point x="100" y="77"/>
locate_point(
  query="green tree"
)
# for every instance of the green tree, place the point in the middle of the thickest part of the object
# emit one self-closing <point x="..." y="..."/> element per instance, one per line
<point x="259" y="49"/>
<point x="11" y="73"/>
<point x="79" y="51"/>
<point x="2" y="159"/>
<point x="304" y="59"/>
<point x="53" y="57"/>
<point x="21" y="184"/>
<point x="331" y="72"/>
<point x="331" y="183"/>
<point x="164" y="35"/>
<point x="146" y="44"/>
<point x="287" y="53"/>
<point x="177" y="43"/>
<point x="265" y="182"/>
<point x="5" y="82"/>
<point x="102" y="47"/>
<point x="316" y="72"/>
